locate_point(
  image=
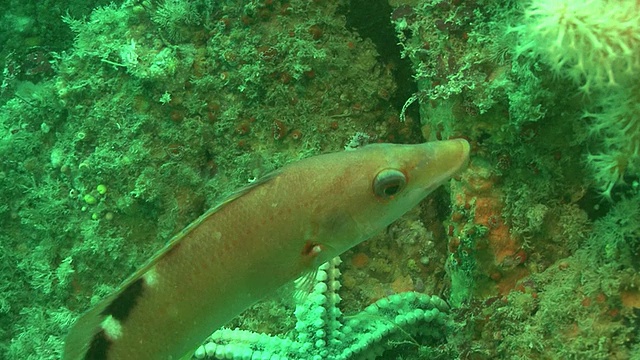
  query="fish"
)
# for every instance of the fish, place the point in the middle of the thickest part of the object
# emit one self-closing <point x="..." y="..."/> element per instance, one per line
<point x="257" y="240"/>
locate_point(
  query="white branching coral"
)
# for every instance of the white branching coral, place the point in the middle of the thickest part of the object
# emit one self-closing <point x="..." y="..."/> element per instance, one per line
<point x="175" y="16"/>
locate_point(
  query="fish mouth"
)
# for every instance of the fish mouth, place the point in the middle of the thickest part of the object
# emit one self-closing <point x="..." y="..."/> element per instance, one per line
<point x="442" y="160"/>
<point x="462" y="148"/>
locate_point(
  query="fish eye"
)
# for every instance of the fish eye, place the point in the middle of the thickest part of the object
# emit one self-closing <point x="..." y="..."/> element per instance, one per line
<point x="389" y="182"/>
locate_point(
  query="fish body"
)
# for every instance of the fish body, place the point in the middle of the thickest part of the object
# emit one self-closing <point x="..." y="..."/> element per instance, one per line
<point x="256" y="241"/>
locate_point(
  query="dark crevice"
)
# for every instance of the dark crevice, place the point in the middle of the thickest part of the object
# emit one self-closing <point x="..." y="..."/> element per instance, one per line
<point x="371" y="20"/>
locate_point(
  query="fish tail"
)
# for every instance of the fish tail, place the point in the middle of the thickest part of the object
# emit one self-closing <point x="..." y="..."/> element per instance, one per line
<point x="84" y="332"/>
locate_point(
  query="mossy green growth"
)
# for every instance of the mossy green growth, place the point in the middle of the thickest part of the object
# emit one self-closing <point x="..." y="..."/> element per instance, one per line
<point x="462" y="285"/>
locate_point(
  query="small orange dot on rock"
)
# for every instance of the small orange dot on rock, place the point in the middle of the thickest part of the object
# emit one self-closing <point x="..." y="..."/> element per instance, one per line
<point x="402" y="284"/>
<point x="360" y="260"/>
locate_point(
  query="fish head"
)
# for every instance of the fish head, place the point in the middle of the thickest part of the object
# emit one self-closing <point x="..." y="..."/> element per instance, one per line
<point x="365" y="190"/>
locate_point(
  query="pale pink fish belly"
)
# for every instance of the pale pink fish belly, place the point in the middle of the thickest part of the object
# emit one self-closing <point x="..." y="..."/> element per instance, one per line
<point x="256" y="241"/>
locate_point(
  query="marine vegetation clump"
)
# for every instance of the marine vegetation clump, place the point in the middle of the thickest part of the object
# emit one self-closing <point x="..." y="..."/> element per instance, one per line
<point x="175" y="17"/>
<point x="616" y="237"/>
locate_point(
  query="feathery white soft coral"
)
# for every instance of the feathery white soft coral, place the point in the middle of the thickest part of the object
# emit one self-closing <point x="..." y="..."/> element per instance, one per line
<point x="595" y="42"/>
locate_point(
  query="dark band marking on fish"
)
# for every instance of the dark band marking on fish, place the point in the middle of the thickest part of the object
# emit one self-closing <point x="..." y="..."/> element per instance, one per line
<point x="121" y="306"/>
<point x="99" y="348"/>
